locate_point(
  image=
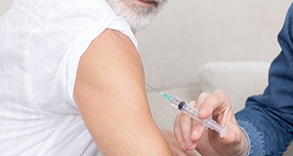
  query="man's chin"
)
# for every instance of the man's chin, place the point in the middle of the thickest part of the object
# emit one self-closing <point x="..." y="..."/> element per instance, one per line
<point x="139" y="23"/>
<point x="138" y="13"/>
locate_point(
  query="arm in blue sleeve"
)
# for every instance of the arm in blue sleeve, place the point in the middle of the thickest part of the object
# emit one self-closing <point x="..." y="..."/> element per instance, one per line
<point x="267" y="119"/>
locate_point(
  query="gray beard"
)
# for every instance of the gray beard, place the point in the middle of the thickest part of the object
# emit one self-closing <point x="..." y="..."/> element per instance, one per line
<point x="137" y="17"/>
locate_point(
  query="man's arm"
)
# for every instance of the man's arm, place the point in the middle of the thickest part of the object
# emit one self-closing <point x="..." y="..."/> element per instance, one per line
<point x="110" y="94"/>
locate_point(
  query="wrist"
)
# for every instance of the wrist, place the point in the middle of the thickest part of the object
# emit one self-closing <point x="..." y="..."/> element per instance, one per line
<point x="244" y="145"/>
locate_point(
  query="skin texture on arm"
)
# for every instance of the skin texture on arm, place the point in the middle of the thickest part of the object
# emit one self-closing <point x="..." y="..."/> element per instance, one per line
<point x="110" y="94"/>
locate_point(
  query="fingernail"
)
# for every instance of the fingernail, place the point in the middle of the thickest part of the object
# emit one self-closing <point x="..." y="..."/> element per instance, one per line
<point x="194" y="133"/>
<point x="202" y="112"/>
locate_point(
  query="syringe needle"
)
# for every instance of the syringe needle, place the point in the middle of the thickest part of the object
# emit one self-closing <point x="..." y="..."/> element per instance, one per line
<point x="153" y="88"/>
<point x="168" y="97"/>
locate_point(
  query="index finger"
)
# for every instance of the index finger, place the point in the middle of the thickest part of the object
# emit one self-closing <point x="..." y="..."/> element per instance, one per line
<point x="214" y="103"/>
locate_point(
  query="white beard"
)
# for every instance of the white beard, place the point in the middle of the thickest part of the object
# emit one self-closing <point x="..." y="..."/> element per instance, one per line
<point x="138" y="17"/>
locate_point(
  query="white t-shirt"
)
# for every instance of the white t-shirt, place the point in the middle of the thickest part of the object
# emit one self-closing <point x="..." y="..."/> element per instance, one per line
<point x="41" y="42"/>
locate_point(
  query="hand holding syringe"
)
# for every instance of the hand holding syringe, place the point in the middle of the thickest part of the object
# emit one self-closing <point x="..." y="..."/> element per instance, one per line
<point x="193" y="112"/>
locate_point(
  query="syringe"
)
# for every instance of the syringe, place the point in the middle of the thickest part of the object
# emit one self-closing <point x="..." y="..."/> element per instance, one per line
<point x="193" y="112"/>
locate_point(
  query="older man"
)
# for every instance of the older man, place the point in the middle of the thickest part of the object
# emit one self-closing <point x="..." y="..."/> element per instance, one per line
<point x="72" y="82"/>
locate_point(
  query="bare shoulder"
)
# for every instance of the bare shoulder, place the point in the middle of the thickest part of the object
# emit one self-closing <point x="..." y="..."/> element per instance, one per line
<point x="112" y="39"/>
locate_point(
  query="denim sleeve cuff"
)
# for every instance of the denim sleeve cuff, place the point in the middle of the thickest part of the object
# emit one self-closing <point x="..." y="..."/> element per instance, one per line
<point x="255" y="139"/>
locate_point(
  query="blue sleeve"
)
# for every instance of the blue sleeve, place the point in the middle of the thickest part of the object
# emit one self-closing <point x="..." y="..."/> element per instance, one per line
<point x="268" y="118"/>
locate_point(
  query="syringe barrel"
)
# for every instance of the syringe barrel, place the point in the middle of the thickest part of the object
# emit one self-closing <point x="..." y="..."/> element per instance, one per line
<point x="185" y="108"/>
<point x="175" y="101"/>
<point x="213" y="125"/>
<point x="193" y="112"/>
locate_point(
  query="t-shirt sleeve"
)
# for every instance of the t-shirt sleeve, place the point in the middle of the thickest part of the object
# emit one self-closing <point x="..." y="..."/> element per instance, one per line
<point x="82" y="42"/>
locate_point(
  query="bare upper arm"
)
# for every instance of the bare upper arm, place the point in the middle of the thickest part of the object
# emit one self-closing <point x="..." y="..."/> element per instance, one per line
<point x="110" y="94"/>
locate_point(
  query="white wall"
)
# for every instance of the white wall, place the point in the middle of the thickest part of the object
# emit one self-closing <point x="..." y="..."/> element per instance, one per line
<point x="189" y="33"/>
<point x="4" y="5"/>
